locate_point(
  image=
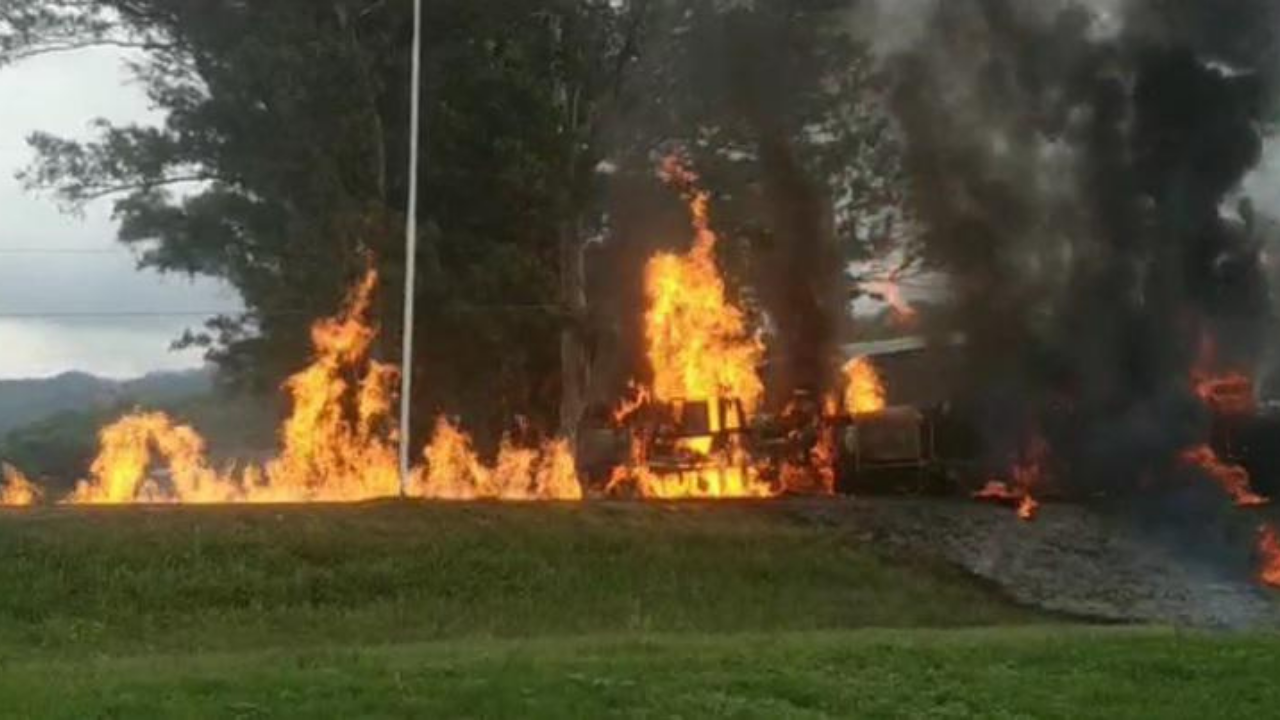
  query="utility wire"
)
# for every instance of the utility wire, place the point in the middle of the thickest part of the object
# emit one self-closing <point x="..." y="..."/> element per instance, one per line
<point x="62" y="251"/>
<point x="129" y="314"/>
<point x="509" y="308"/>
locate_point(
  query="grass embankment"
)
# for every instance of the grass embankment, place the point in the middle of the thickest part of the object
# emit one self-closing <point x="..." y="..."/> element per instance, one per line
<point x="557" y="611"/>
<point x="225" y="579"/>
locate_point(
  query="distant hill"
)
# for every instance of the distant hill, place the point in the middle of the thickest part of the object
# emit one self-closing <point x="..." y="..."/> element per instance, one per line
<point x="25" y="402"/>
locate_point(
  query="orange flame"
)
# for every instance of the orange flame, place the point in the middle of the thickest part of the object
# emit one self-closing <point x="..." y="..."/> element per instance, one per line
<point x="1234" y="479"/>
<point x="338" y="444"/>
<point x="121" y="473"/>
<point x="17" y="490"/>
<point x="1028" y="508"/>
<point x="1229" y="394"/>
<point x="455" y="472"/>
<point x="1027" y="476"/>
<point x="699" y="350"/>
<point x="865" y="392"/>
<point x="640" y="397"/>
<point x="698" y="341"/>
<point x="722" y="479"/>
<point x="1003" y="492"/>
<point x="1269" y="553"/>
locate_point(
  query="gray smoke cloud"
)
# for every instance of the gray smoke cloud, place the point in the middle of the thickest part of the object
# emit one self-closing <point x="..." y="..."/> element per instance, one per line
<point x="1073" y="164"/>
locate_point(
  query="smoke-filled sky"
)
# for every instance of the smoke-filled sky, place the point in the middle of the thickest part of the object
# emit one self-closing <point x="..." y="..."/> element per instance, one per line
<point x="53" y="265"/>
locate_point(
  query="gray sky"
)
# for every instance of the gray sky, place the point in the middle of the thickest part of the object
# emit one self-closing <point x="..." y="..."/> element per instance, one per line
<point x="91" y="273"/>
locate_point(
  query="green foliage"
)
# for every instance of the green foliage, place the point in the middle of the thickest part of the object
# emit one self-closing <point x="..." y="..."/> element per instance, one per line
<point x="59" y="449"/>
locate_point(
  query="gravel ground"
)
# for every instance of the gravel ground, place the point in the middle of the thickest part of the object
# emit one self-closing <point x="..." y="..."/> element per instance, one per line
<point x="1075" y="560"/>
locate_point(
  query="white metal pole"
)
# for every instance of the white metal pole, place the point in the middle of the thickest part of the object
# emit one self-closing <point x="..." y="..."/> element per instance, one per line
<point x="411" y="256"/>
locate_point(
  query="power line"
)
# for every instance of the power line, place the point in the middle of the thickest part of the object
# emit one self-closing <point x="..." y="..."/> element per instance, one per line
<point x="63" y="251"/>
<point x="542" y="308"/>
<point x="93" y="314"/>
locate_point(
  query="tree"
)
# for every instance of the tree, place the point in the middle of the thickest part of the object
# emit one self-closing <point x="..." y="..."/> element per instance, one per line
<point x="777" y="105"/>
<point x="281" y="168"/>
<point x="281" y="164"/>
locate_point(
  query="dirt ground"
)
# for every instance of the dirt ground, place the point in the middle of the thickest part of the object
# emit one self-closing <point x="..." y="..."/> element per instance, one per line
<point x="1091" y="563"/>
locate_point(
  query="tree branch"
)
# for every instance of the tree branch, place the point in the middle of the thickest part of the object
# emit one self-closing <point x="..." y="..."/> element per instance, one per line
<point x="88" y="196"/>
<point x="67" y="47"/>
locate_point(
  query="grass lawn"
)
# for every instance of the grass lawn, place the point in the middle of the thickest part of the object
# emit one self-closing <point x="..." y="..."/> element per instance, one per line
<point x="1060" y="673"/>
<point x="129" y="581"/>
<point x="399" y="610"/>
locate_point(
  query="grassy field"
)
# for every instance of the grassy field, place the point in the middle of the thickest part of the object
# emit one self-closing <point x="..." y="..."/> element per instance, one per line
<point x="865" y="674"/>
<point x="560" y="611"/>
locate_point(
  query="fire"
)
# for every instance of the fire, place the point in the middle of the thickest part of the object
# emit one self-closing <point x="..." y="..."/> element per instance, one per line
<point x="1269" y="552"/>
<point x="455" y="472"/>
<point x="17" y="490"/>
<point x="1028" y="508"/>
<point x="699" y="346"/>
<point x="1027" y="476"/>
<point x="1003" y="492"/>
<point x="335" y="445"/>
<point x="121" y="473"/>
<point x="1226" y="393"/>
<point x="640" y="397"/>
<point x="338" y="444"/>
<point x="864" y="390"/>
<point x="1231" y="394"/>
<point x="1234" y="479"/>
<point x="722" y="479"/>
<point x="700" y="350"/>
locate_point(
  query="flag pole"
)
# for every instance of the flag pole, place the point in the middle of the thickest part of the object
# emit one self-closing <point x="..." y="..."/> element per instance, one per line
<point x="411" y="254"/>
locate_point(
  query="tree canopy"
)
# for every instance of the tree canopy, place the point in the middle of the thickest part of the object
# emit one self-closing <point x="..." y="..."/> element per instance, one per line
<point x="281" y="163"/>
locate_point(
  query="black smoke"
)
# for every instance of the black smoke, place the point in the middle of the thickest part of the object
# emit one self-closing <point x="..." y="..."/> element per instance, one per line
<point x="1073" y="166"/>
<point x="800" y="276"/>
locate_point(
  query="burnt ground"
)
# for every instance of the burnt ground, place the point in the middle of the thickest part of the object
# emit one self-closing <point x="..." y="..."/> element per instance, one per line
<point x="1085" y="562"/>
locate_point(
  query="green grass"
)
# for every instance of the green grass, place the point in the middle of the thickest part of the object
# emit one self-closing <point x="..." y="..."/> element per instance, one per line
<point x="1062" y="673"/>
<point x="406" y="610"/>
<point x="224" y="579"/>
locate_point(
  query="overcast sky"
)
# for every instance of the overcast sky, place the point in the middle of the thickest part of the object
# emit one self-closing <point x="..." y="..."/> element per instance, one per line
<point x="55" y="264"/>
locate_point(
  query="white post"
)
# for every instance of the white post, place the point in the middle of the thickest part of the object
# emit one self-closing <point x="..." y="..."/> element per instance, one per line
<point x="411" y="257"/>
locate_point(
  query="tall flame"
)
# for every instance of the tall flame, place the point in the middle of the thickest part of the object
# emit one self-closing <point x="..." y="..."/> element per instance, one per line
<point x="864" y="393"/>
<point x="700" y="350"/>
<point x="16" y="490"/>
<point x="699" y="344"/>
<point x="338" y="444"/>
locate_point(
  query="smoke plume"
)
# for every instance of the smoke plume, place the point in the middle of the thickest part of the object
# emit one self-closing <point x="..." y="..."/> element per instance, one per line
<point x="1072" y="164"/>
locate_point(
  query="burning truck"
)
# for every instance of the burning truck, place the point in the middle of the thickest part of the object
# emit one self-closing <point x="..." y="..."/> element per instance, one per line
<point x="863" y="441"/>
<point x="703" y="426"/>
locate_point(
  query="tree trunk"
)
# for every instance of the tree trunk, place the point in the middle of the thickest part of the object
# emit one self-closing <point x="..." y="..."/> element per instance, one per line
<point x="575" y="367"/>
